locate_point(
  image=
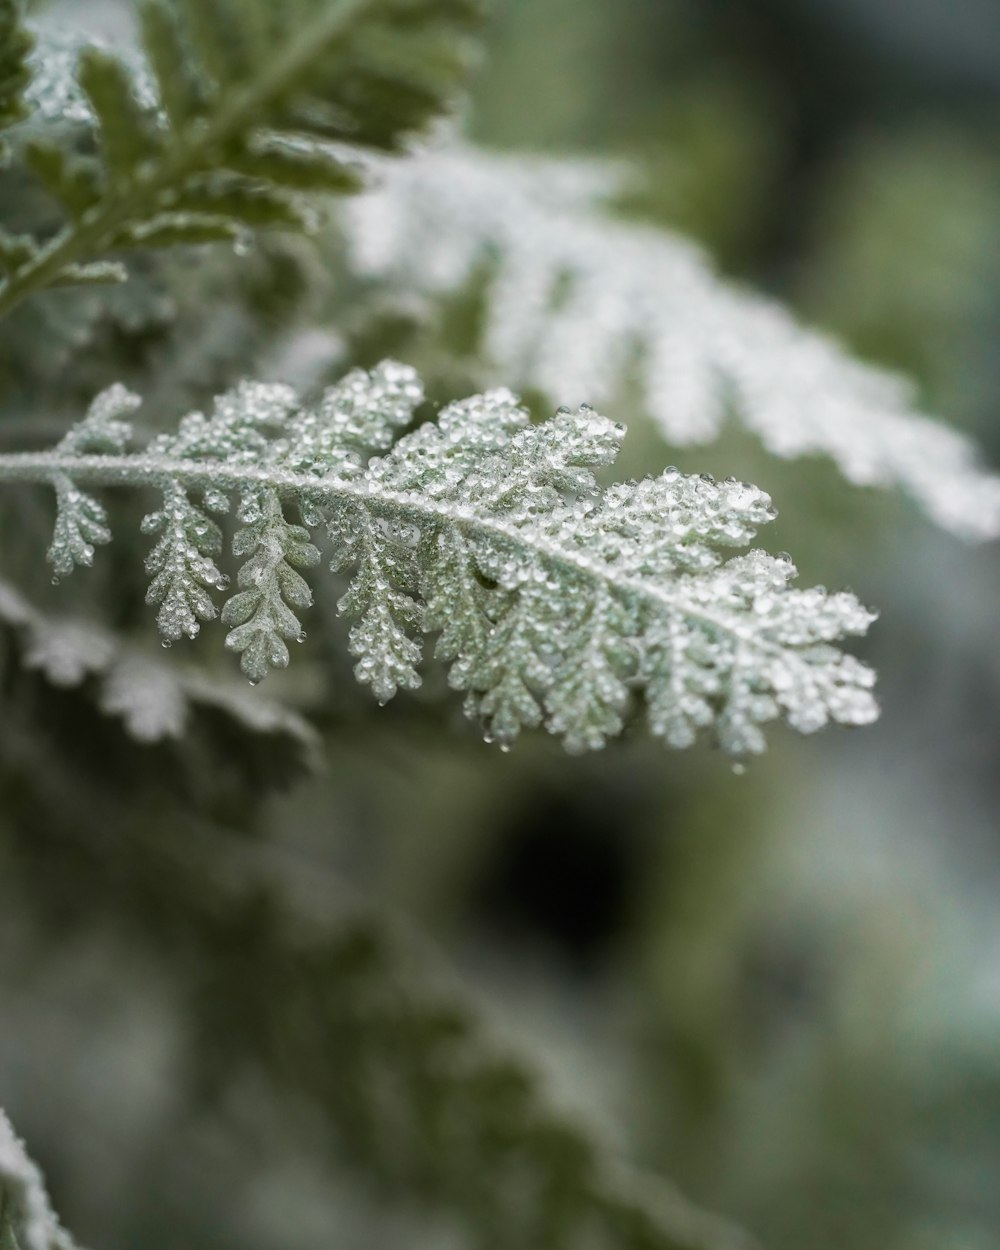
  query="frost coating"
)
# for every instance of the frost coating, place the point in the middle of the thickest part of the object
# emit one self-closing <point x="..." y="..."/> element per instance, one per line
<point x="54" y="94"/>
<point x="553" y="601"/>
<point x="154" y="699"/>
<point x="574" y="294"/>
<point x="27" y="1221"/>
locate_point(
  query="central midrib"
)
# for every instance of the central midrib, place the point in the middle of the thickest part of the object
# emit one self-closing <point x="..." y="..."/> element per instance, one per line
<point x="109" y="470"/>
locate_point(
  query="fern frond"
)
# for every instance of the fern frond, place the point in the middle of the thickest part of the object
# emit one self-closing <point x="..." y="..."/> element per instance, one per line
<point x="252" y="103"/>
<point x="576" y="295"/>
<point x="27" y="1221"/>
<point x="154" y="700"/>
<point x="556" y="601"/>
<point x="16" y="43"/>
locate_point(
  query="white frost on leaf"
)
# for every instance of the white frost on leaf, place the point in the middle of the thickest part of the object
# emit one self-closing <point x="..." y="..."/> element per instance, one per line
<point x="579" y="300"/>
<point x="148" y="697"/>
<point x="66" y="653"/>
<point x="554" y="601"/>
<point x="154" y="699"/>
<point x="54" y="93"/>
<point x="81" y="522"/>
<point x="27" y="1221"/>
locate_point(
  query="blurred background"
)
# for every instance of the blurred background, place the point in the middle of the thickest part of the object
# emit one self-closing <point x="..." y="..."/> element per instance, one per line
<point x="778" y="987"/>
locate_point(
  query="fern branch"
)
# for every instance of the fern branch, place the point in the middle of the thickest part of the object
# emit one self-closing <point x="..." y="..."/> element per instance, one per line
<point x="574" y="294"/>
<point x="237" y="135"/>
<point x="556" y="600"/>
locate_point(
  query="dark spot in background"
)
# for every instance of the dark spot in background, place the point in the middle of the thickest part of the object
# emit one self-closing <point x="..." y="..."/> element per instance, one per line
<point x="563" y="873"/>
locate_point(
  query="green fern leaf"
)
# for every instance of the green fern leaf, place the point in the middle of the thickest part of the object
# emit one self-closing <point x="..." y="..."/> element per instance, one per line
<point x="557" y="602"/>
<point x="16" y="43"/>
<point x="253" y="104"/>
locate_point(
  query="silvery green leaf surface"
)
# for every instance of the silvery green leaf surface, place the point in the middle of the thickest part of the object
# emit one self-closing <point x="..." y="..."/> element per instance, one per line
<point x="556" y="602"/>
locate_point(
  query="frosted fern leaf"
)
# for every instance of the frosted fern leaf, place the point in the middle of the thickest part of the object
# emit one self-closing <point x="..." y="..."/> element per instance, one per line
<point x="553" y="601"/>
<point x="223" y="120"/>
<point x="27" y="1221"/>
<point x="81" y="522"/>
<point x="154" y="700"/>
<point x="575" y="295"/>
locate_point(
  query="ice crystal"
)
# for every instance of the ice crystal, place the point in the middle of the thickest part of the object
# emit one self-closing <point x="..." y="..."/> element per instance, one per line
<point x="554" y="601"/>
<point x="27" y="1221"/>
<point x="575" y="297"/>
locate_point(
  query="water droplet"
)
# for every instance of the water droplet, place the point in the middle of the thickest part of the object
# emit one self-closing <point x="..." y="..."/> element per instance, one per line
<point x="505" y="747"/>
<point x="255" y="681"/>
<point x="739" y="769"/>
<point x="301" y="636"/>
<point x="55" y="581"/>
<point x="166" y="644"/>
